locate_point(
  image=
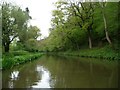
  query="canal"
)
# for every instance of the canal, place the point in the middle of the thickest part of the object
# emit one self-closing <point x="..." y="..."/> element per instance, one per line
<point x="62" y="72"/>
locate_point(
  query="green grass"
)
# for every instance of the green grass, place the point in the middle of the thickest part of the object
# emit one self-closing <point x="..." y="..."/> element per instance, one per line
<point x="14" y="53"/>
<point x="102" y="53"/>
<point x="15" y="58"/>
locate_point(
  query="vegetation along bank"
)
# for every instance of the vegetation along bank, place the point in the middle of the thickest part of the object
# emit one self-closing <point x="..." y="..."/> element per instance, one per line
<point x="15" y="58"/>
<point x="100" y="53"/>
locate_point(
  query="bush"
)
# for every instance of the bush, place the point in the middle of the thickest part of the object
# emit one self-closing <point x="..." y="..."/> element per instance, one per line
<point x="9" y="62"/>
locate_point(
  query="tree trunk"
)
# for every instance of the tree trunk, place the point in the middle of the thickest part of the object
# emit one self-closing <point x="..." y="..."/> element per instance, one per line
<point x="103" y="5"/>
<point x="106" y="29"/>
<point x="6" y="47"/>
<point x="90" y="39"/>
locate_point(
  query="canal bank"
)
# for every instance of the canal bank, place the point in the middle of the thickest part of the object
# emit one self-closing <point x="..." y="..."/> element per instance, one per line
<point x="16" y="58"/>
<point x="100" y="53"/>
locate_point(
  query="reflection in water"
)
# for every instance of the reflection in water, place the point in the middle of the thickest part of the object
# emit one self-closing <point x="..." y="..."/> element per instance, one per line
<point x="14" y="76"/>
<point x="10" y="83"/>
<point x="62" y="72"/>
<point x="44" y="82"/>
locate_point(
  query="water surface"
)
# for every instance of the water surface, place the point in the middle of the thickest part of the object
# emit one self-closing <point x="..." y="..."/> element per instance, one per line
<point x="62" y="72"/>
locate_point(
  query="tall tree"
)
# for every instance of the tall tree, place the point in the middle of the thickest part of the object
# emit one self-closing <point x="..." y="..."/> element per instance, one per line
<point x="7" y="26"/>
<point x="84" y="11"/>
<point x="13" y="21"/>
<point x="103" y="4"/>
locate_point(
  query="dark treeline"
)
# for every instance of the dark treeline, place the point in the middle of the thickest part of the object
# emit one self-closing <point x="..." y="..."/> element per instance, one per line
<point x="83" y="25"/>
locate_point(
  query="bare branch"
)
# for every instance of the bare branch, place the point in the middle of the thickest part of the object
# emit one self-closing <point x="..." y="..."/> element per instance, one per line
<point x="13" y="38"/>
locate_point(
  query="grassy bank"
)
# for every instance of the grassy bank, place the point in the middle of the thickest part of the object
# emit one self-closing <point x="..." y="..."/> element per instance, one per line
<point x="15" y="58"/>
<point x="101" y="53"/>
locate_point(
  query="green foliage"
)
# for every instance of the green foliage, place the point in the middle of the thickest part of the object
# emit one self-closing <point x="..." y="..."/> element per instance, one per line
<point x="72" y="25"/>
<point x="16" y="46"/>
<point x="29" y="37"/>
<point x="16" y="58"/>
<point x="31" y="45"/>
<point x="15" y="25"/>
<point x="101" y="53"/>
<point x="14" y="20"/>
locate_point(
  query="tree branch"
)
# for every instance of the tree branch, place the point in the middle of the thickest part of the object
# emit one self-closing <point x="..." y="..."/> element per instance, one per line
<point x="13" y="38"/>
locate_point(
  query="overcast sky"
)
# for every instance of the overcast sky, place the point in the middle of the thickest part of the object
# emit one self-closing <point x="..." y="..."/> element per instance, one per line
<point x="40" y="11"/>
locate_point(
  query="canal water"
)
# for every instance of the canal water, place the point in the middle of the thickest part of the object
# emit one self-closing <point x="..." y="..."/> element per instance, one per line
<point x="62" y="72"/>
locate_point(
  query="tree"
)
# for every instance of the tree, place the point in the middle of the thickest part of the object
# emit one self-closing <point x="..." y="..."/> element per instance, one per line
<point x="13" y="20"/>
<point x="21" y="19"/>
<point x="30" y="41"/>
<point x="33" y="32"/>
<point x="84" y="11"/>
<point x="75" y="23"/>
<point x="66" y="20"/>
<point x="7" y="26"/>
<point x="103" y="5"/>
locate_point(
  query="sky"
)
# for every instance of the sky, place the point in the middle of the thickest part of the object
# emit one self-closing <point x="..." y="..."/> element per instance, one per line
<point x="40" y="11"/>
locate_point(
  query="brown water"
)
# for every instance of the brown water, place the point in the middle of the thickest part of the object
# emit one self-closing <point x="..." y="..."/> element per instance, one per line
<point x="62" y="72"/>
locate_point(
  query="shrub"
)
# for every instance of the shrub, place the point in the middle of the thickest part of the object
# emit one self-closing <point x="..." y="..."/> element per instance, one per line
<point x="9" y="62"/>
